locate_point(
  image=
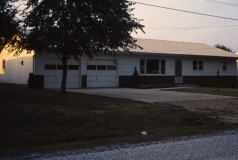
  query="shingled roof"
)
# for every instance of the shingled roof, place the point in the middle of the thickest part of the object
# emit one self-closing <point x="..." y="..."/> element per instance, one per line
<point x="151" y="46"/>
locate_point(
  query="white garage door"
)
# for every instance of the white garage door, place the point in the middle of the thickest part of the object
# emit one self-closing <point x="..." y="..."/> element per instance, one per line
<point x="54" y="71"/>
<point x="101" y="73"/>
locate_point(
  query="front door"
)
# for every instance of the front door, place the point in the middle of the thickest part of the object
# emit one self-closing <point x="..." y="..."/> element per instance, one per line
<point x="178" y="71"/>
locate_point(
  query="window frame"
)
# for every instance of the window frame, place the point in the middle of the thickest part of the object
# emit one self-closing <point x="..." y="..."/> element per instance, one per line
<point x="197" y="65"/>
<point x="3" y="64"/>
<point x="224" y="66"/>
<point x="50" y="66"/>
<point x="143" y="66"/>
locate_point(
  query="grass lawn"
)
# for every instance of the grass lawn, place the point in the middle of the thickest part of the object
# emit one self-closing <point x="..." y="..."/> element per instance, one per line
<point x="42" y="121"/>
<point x="207" y="90"/>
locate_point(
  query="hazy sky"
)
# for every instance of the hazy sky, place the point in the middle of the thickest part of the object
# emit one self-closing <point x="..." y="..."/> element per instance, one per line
<point x="164" y="24"/>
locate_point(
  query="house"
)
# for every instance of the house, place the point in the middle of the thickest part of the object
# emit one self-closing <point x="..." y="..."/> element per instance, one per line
<point x="160" y="61"/>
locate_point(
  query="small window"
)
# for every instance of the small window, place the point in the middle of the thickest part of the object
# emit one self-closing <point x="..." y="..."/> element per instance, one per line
<point x="200" y="67"/>
<point x="73" y="67"/>
<point x="194" y="65"/>
<point x="197" y="65"/>
<point x="60" y="67"/>
<point x="91" y="67"/>
<point x="100" y="67"/>
<point x="3" y="64"/>
<point x="50" y="66"/>
<point x="111" y="68"/>
<point x="224" y="66"/>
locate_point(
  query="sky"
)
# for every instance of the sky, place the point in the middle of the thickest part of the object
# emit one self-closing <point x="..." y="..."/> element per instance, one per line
<point x="165" y="24"/>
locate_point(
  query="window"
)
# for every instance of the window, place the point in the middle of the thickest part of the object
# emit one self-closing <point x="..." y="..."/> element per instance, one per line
<point x="3" y="64"/>
<point x="73" y="67"/>
<point x="152" y="66"/>
<point x="111" y="68"/>
<point x="162" y="66"/>
<point x="224" y="66"/>
<point x="100" y="67"/>
<point x="59" y="67"/>
<point x="197" y="65"/>
<point x="142" y="66"/>
<point x="91" y="67"/>
<point x="50" y="66"/>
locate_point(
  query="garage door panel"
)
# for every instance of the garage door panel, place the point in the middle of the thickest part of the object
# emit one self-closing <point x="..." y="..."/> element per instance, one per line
<point x="92" y="84"/>
<point x="49" y="79"/>
<point x="72" y="79"/>
<point x="101" y="84"/>
<point x="72" y="85"/>
<point x="101" y="79"/>
<point x="54" y="71"/>
<point x="110" y="79"/>
<point x="91" y="72"/>
<point x="91" y="78"/>
<point x="111" y="73"/>
<point x="104" y="73"/>
<point x="101" y="73"/>
<point x="72" y="73"/>
<point x="59" y="72"/>
<point x="49" y="85"/>
<point x="111" y="84"/>
<point x="49" y="73"/>
<point x="58" y="85"/>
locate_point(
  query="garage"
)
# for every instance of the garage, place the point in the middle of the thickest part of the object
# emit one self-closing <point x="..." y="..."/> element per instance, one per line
<point x="54" y="70"/>
<point x="101" y="73"/>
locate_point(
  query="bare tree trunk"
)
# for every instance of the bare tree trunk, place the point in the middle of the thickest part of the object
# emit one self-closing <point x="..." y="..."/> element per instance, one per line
<point x="63" y="83"/>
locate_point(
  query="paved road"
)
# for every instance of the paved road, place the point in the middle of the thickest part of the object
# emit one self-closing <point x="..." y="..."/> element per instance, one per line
<point x="147" y="95"/>
<point x="216" y="147"/>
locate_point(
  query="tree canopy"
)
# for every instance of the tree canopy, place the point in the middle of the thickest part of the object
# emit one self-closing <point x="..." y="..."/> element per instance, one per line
<point x="221" y="46"/>
<point x="71" y="28"/>
<point x="10" y="27"/>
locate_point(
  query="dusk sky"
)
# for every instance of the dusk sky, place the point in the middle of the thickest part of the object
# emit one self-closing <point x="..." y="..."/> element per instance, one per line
<point x="165" y="24"/>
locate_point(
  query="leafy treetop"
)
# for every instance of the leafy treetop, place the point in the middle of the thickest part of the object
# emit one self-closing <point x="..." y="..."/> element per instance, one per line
<point x="221" y="46"/>
<point x="77" y="27"/>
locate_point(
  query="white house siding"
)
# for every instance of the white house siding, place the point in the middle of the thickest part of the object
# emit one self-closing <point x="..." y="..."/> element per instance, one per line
<point x="14" y="71"/>
<point x="211" y="66"/>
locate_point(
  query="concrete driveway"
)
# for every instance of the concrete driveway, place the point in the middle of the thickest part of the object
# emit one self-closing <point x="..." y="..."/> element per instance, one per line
<point x="147" y="95"/>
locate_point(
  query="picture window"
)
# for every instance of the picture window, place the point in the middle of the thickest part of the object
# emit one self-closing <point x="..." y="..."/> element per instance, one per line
<point x="152" y="66"/>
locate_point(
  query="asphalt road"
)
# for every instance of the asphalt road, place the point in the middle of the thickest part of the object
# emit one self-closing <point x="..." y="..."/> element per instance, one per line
<point x="216" y="147"/>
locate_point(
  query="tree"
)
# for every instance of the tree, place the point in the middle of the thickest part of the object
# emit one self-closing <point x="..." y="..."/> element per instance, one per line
<point x="71" y="28"/>
<point x="10" y="30"/>
<point x="223" y="47"/>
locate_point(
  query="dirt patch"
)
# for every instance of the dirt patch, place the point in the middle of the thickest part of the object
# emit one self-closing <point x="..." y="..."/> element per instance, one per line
<point x="222" y="109"/>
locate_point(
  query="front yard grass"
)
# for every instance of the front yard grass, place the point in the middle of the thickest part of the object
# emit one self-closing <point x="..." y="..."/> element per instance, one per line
<point x="42" y="121"/>
<point x="208" y="90"/>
